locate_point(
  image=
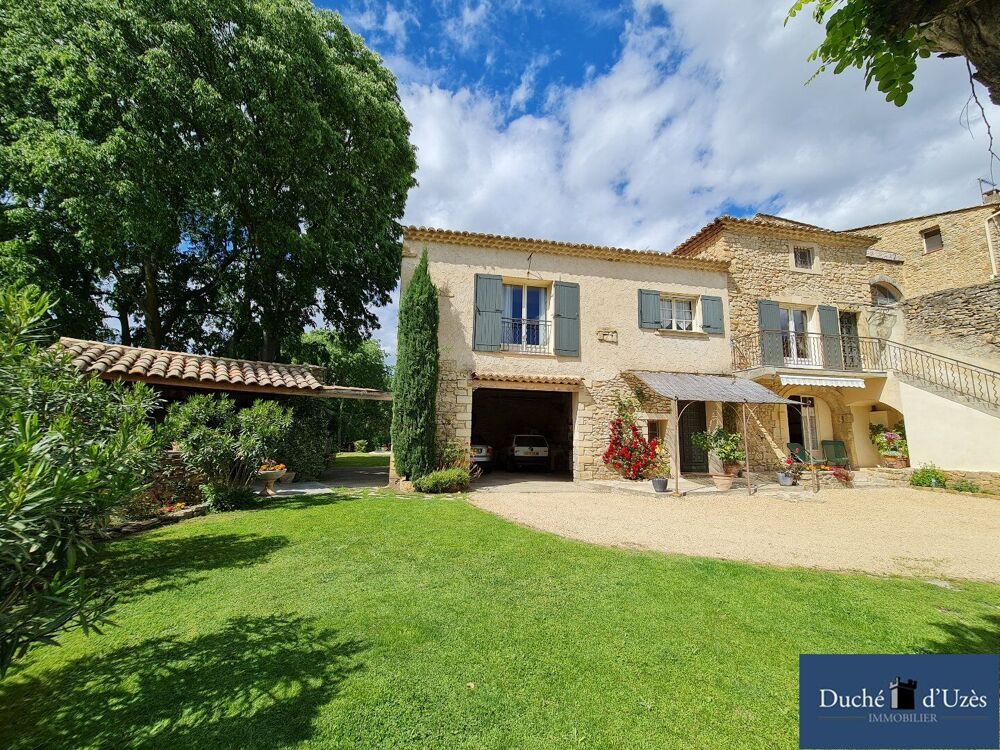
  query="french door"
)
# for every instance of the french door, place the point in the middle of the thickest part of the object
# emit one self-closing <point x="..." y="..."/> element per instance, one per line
<point x="795" y="336"/>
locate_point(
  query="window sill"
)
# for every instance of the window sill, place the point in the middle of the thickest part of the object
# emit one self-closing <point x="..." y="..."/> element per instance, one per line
<point x="682" y="334"/>
<point x="805" y="270"/>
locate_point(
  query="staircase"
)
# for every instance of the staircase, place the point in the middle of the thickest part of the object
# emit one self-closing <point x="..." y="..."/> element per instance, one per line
<point x="972" y="385"/>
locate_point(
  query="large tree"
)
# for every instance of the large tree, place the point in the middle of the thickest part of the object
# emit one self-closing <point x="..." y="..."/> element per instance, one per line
<point x="414" y="393"/>
<point x="216" y="172"/>
<point x="887" y="37"/>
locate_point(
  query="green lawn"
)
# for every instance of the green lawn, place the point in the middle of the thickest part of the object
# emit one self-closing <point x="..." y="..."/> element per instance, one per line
<point x="360" y="460"/>
<point x="378" y="621"/>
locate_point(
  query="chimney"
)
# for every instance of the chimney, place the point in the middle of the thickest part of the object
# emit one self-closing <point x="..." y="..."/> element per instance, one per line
<point x="991" y="197"/>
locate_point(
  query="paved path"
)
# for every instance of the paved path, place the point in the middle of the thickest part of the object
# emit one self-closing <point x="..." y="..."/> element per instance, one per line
<point x="877" y="530"/>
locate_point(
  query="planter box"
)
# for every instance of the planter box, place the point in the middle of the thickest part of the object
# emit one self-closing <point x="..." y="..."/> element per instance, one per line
<point x="895" y="462"/>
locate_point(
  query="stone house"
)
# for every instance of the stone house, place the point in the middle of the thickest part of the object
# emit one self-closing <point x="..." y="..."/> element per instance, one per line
<point x="545" y="337"/>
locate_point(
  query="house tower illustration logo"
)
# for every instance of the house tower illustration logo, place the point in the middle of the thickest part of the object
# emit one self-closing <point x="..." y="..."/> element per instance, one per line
<point x="903" y="694"/>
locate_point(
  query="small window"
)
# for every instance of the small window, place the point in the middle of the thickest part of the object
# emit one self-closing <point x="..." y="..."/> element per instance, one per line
<point x="803" y="257"/>
<point x="932" y="240"/>
<point x="883" y="296"/>
<point x="676" y="314"/>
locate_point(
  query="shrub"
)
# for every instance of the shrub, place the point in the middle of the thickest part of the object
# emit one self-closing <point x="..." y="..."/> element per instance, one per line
<point x="629" y="453"/>
<point x="928" y="475"/>
<point x="227" y="446"/>
<point x="361" y="446"/>
<point x="964" y="485"/>
<point x="415" y="388"/>
<point x="889" y="442"/>
<point x="222" y="498"/>
<point x="725" y="445"/>
<point x="73" y="450"/>
<point x="310" y="440"/>
<point x="452" y="454"/>
<point x="443" y="480"/>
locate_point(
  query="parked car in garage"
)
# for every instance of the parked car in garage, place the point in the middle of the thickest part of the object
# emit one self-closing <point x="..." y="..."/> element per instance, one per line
<point x="481" y="454"/>
<point x="528" y="450"/>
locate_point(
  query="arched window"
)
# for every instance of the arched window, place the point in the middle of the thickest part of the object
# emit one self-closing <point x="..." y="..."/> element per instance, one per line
<point x="884" y="295"/>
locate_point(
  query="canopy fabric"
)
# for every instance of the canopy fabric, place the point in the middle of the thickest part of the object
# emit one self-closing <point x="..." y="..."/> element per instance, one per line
<point x="688" y="387"/>
<point x="822" y="381"/>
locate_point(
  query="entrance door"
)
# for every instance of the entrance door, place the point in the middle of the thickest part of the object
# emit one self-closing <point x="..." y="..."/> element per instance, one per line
<point x="795" y="336"/>
<point x="802" y="423"/>
<point x="692" y="420"/>
<point x="851" y="342"/>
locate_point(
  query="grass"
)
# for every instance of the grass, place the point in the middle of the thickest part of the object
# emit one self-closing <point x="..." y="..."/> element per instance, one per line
<point x="377" y="621"/>
<point x="360" y="460"/>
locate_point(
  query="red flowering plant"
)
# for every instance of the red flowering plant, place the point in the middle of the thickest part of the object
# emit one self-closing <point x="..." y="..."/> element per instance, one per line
<point x="629" y="453"/>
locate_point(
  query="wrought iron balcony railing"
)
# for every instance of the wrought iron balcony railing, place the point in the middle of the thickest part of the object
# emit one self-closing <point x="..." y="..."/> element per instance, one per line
<point x="857" y="354"/>
<point x="525" y="336"/>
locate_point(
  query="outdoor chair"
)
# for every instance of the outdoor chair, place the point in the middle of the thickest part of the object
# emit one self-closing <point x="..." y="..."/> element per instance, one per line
<point x="835" y="453"/>
<point x="798" y="452"/>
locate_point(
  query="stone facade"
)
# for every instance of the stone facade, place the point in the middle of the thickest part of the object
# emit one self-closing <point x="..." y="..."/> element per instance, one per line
<point x="987" y="481"/>
<point x="964" y="321"/>
<point x="963" y="260"/>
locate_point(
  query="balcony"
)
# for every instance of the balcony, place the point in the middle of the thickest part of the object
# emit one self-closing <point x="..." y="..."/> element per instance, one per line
<point x="810" y="351"/>
<point x="525" y="336"/>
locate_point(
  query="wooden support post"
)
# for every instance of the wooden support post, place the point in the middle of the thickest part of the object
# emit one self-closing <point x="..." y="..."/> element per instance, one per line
<point x="675" y="454"/>
<point x="746" y="451"/>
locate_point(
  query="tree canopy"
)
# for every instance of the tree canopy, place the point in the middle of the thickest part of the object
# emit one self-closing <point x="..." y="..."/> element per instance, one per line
<point x="886" y="38"/>
<point x="219" y="173"/>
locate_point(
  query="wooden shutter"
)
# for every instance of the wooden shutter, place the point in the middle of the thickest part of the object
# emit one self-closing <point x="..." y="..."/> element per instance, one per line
<point x="567" y="319"/>
<point x="649" y="309"/>
<point x="486" y="325"/>
<point x="711" y="315"/>
<point x="769" y="320"/>
<point x="829" y="326"/>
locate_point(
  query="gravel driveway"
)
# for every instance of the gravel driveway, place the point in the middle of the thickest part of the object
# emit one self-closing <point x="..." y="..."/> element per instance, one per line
<point x="876" y="530"/>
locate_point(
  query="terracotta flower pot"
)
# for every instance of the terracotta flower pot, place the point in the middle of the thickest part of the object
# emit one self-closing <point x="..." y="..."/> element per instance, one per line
<point x="732" y="468"/>
<point x="723" y="481"/>
<point x="895" y="462"/>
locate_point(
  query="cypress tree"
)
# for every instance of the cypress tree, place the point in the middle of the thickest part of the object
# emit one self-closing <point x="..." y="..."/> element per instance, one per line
<point x="415" y="388"/>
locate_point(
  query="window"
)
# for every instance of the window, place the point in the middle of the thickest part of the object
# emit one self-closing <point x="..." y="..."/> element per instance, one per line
<point x="524" y="327"/>
<point x="883" y="296"/>
<point x="803" y="257"/>
<point x="676" y="314"/>
<point x="653" y="430"/>
<point x="932" y="239"/>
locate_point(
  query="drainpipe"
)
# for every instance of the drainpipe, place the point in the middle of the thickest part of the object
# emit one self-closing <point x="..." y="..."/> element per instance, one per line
<point x="989" y="242"/>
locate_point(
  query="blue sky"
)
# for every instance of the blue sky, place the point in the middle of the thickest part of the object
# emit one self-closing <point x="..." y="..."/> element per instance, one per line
<point x="634" y="124"/>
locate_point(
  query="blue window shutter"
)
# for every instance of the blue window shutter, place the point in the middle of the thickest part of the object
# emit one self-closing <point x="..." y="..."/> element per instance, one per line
<point x="486" y="325"/>
<point x="649" y="309"/>
<point x="829" y="326"/>
<point x="711" y="315"/>
<point x="769" y="320"/>
<point x="567" y="319"/>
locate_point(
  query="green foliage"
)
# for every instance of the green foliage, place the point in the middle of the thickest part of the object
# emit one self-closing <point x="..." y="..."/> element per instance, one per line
<point x="443" y="480"/>
<point x="928" y="475"/>
<point x="361" y="446"/>
<point x="856" y="36"/>
<point x="964" y="485"/>
<point x="221" y="172"/>
<point x="889" y="442"/>
<point x="73" y="450"/>
<point x="308" y="443"/>
<point x="725" y="445"/>
<point x="222" y="497"/>
<point x="451" y="454"/>
<point x="415" y="389"/>
<point x="226" y="445"/>
<point x="359" y="366"/>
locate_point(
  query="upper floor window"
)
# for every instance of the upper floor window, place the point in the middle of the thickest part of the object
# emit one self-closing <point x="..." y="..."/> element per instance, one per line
<point x="803" y="257"/>
<point x="524" y="324"/>
<point x="932" y="239"/>
<point x="676" y="314"/>
<point x="883" y="295"/>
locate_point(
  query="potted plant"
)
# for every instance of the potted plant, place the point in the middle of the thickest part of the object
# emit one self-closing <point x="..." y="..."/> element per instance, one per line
<point x="660" y="473"/>
<point x="726" y="447"/>
<point x="891" y="445"/>
<point x="270" y="472"/>
<point x="791" y="473"/>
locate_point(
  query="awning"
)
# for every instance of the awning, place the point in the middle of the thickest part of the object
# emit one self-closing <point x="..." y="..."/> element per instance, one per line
<point x="686" y="387"/>
<point x="819" y="380"/>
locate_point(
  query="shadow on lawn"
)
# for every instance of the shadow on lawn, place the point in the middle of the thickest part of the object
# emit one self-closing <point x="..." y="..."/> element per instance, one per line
<point x="298" y="502"/>
<point x="148" y="565"/>
<point x="257" y="682"/>
<point x="961" y="638"/>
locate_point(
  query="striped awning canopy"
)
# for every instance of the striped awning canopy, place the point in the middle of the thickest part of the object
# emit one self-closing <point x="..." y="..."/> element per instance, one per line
<point x="682" y="386"/>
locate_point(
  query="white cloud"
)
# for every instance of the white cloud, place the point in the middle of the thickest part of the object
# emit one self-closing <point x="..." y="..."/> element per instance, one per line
<point x="465" y="28"/>
<point x="526" y="87"/>
<point x="395" y="23"/>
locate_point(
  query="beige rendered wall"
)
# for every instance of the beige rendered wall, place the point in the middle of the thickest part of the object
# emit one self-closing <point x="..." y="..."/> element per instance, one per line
<point x="964" y="259"/>
<point x="608" y="302"/>
<point x="948" y="434"/>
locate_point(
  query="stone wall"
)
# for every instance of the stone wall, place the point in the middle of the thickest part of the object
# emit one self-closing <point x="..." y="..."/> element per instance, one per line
<point x="987" y="481"/>
<point x="963" y="261"/>
<point x="963" y="321"/>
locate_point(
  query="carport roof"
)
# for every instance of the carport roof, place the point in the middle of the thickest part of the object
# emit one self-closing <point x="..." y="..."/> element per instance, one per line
<point x="498" y="377"/>
<point x="688" y="387"/>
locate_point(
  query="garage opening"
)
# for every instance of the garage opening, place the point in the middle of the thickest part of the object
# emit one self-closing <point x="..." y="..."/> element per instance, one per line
<point x="500" y="414"/>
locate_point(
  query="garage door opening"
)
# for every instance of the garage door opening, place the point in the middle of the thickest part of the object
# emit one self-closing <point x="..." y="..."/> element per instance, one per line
<point x="499" y="414"/>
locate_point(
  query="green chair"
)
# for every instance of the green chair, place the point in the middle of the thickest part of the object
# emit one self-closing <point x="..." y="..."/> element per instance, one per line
<point x="798" y="452"/>
<point x="835" y="452"/>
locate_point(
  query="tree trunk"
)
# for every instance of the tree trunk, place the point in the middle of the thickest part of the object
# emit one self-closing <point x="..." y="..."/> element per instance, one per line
<point x="270" y="347"/>
<point x="123" y="321"/>
<point x="151" y="305"/>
